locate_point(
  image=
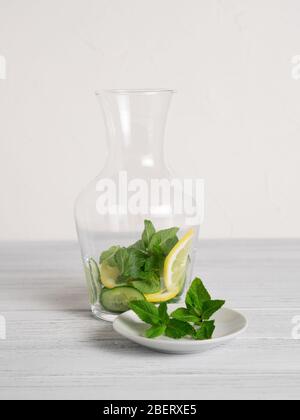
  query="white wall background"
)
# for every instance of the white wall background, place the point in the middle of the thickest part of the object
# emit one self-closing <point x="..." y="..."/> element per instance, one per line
<point x="235" y="121"/>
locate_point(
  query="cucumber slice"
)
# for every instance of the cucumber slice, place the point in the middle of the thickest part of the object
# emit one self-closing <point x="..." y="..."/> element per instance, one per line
<point x="90" y="285"/>
<point x="95" y="279"/>
<point x="94" y="270"/>
<point x="117" y="299"/>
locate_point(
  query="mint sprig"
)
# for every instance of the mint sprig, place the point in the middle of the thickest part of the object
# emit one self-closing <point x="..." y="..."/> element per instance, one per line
<point x="200" y="307"/>
<point x="140" y="265"/>
<point x="148" y="233"/>
<point x="155" y="331"/>
<point x="205" y="332"/>
<point x="160" y="321"/>
<point x="184" y="314"/>
<point x="146" y="311"/>
<point x="179" y="329"/>
<point x="193" y="320"/>
<point x="211" y="307"/>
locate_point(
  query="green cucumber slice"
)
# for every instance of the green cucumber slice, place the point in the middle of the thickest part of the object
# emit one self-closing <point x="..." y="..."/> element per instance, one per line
<point x="117" y="299"/>
<point x="90" y="285"/>
<point x="92" y="274"/>
<point x="95" y="275"/>
<point x="94" y="271"/>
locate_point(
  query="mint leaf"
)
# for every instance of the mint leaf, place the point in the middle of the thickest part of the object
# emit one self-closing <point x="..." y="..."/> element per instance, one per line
<point x="196" y="296"/>
<point x="134" y="263"/>
<point x="146" y="311"/>
<point x="149" y="283"/>
<point x="148" y="233"/>
<point x="121" y="280"/>
<point x="160" y="241"/>
<point x="154" y="263"/>
<point x="178" y="329"/>
<point x="169" y="245"/>
<point x="109" y="256"/>
<point x="206" y="331"/>
<point x="121" y="258"/>
<point x="129" y="262"/>
<point x="183" y="314"/>
<point x="155" y="331"/>
<point x="139" y="245"/>
<point x="163" y="313"/>
<point x="210" y="307"/>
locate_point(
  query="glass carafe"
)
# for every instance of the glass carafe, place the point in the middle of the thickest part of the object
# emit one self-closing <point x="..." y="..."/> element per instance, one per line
<point x="126" y="217"/>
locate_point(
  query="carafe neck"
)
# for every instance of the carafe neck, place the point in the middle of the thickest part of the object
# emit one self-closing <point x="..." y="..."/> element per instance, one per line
<point x="135" y="122"/>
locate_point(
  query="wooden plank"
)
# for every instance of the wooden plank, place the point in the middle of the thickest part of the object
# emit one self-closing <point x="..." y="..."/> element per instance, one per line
<point x="55" y="349"/>
<point x="72" y="326"/>
<point x="189" y="386"/>
<point x="248" y="274"/>
<point x="69" y="344"/>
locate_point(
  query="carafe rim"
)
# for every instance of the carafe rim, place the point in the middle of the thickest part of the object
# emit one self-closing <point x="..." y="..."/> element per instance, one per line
<point x="134" y="91"/>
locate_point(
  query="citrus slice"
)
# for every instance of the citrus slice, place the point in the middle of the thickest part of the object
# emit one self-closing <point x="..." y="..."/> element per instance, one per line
<point x="176" y="263"/>
<point x="109" y="275"/>
<point x="162" y="296"/>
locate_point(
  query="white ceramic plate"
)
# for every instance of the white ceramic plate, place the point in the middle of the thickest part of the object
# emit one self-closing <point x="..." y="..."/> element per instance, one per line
<point x="229" y="324"/>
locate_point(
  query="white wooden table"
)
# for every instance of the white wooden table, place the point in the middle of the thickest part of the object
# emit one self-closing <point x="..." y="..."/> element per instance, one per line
<point x="55" y="349"/>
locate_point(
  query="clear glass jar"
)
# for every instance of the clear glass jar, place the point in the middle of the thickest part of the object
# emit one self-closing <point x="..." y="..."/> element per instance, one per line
<point x="135" y="186"/>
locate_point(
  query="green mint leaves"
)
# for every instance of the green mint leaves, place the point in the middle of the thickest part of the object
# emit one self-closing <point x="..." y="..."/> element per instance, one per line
<point x="179" y="329"/>
<point x="129" y="262"/>
<point x="200" y="306"/>
<point x="140" y="265"/>
<point x="109" y="256"/>
<point x="184" y="314"/>
<point x="196" y="296"/>
<point x="147" y="312"/>
<point x="199" y="309"/>
<point x="160" y="321"/>
<point x="157" y="317"/>
<point x="163" y="241"/>
<point x="150" y="283"/>
<point x="148" y="233"/>
<point x="193" y="321"/>
<point x="205" y="332"/>
<point x="155" y="331"/>
<point x="211" y="307"/>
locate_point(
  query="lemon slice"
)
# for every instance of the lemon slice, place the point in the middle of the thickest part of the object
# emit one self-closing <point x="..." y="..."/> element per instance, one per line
<point x="176" y="263"/>
<point x="162" y="296"/>
<point x="109" y="275"/>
